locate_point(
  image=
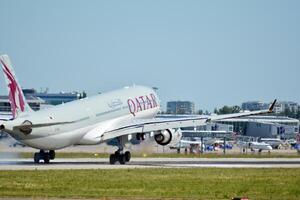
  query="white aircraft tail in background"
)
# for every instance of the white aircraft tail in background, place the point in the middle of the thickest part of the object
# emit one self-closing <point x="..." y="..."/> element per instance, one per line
<point x="15" y="93"/>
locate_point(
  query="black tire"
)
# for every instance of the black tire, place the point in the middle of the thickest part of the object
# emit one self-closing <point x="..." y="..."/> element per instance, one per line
<point x="42" y="154"/>
<point x="122" y="159"/>
<point x="127" y="156"/>
<point x="46" y="158"/>
<point x="112" y="159"/>
<point x="36" y="158"/>
<point x="137" y="136"/>
<point x="52" y="154"/>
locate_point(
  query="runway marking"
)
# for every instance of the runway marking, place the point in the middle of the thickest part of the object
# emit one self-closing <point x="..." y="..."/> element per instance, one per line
<point x="102" y="163"/>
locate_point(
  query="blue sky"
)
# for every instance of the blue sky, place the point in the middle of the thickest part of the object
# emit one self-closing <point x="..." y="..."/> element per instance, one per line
<point x="211" y="52"/>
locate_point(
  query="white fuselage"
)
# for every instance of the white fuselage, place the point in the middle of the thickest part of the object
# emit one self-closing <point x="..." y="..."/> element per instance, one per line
<point x="260" y="146"/>
<point x="274" y="142"/>
<point x="107" y="110"/>
<point x="255" y="145"/>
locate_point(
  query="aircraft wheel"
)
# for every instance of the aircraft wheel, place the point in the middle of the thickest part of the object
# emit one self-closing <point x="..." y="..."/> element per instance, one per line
<point x="112" y="159"/>
<point x="46" y="158"/>
<point x="117" y="153"/>
<point x="52" y="154"/>
<point x="122" y="159"/>
<point x="138" y="136"/>
<point x="127" y="156"/>
<point x="36" y="158"/>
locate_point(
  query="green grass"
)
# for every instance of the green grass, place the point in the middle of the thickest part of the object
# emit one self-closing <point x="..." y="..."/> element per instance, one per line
<point x="171" y="155"/>
<point x="200" y="183"/>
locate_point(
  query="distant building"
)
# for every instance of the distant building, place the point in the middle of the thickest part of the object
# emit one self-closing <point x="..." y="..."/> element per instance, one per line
<point x="286" y="105"/>
<point x="37" y="100"/>
<point x="252" y="126"/>
<point x="264" y="126"/>
<point x="254" y="105"/>
<point x="280" y="106"/>
<point x="5" y="110"/>
<point x="53" y="98"/>
<point x="180" y="107"/>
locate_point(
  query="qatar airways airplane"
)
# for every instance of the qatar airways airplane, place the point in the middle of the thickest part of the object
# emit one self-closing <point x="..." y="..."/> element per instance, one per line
<point x="122" y="114"/>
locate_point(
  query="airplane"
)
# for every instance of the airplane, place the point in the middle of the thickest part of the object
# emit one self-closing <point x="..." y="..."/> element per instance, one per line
<point x="122" y="114"/>
<point x="184" y="143"/>
<point x="255" y="146"/>
<point x="274" y="142"/>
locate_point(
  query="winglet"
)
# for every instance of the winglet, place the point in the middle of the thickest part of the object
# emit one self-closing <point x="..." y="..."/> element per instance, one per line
<point x="272" y="106"/>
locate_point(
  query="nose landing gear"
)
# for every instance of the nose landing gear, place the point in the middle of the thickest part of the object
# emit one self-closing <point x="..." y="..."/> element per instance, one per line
<point x="46" y="156"/>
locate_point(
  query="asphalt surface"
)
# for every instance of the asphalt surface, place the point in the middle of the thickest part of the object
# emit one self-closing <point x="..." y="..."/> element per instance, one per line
<point x="102" y="163"/>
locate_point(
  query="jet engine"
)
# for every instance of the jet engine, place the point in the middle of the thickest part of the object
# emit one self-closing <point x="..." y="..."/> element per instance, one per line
<point x="163" y="137"/>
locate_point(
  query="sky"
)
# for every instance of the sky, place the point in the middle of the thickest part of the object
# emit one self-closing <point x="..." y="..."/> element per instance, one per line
<point x="213" y="53"/>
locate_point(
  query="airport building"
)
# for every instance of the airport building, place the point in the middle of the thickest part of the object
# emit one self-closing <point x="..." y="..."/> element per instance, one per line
<point x="38" y="100"/>
<point x="253" y="126"/>
<point x="52" y="98"/>
<point x="180" y="107"/>
<point x="265" y="126"/>
<point x="35" y="103"/>
<point x="254" y="105"/>
<point x="286" y="105"/>
<point x="280" y="106"/>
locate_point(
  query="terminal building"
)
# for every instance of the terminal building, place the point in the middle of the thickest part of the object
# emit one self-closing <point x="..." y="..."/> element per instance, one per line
<point x="280" y="106"/>
<point x="286" y="105"/>
<point x="53" y="98"/>
<point x="38" y="100"/>
<point x="265" y="126"/>
<point x="253" y="126"/>
<point x="254" y="105"/>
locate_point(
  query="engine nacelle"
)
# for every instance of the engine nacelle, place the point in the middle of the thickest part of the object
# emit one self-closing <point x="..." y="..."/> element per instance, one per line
<point x="163" y="137"/>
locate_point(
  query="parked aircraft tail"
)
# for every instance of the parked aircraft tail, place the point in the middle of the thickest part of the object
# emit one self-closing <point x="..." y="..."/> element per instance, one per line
<point x="16" y="97"/>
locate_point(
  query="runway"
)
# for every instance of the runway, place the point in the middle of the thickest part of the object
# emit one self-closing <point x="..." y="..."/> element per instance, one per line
<point x="102" y="163"/>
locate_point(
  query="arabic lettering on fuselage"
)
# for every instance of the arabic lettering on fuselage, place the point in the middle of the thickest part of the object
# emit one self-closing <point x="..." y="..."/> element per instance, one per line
<point x="141" y="103"/>
<point x="114" y="103"/>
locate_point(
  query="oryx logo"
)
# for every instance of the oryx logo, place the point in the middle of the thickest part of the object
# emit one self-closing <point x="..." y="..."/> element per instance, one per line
<point x="15" y="93"/>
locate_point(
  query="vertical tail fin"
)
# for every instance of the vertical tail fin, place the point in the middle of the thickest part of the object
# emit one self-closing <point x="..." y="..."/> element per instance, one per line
<point x="16" y="97"/>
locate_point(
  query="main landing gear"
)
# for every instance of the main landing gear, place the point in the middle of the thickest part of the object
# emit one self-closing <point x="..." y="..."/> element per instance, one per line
<point x="122" y="158"/>
<point x="119" y="156"/>
<point x="46" y="156"/>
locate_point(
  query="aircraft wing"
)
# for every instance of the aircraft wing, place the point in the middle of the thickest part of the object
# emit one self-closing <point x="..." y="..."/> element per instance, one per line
<point x="157" y="124"/>
<point x="144" y="126"/>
